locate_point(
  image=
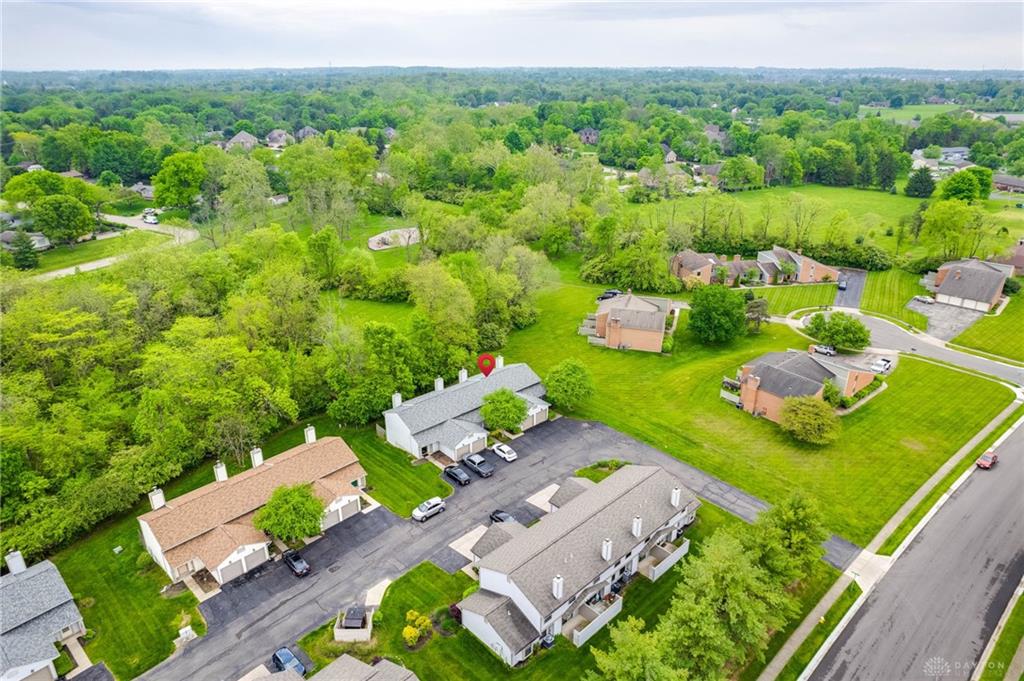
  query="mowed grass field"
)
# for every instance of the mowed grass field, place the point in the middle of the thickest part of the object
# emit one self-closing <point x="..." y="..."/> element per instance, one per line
<point x="887" y="449"/>
<point x="888" y="293"/>
<point x="784" y="299"/>
<point x="908" y="112"/>
<point x="1000" y="335"/>
<point x="69" y="256"/>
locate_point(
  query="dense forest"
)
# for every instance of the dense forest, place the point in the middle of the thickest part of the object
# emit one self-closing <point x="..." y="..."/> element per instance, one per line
<point x="119" y="381"/>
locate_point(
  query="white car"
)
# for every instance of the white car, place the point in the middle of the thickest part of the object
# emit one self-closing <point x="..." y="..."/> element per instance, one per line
<point x="150" y="220"/>
<point x="881" y="366"/>
<point x="505" y="452"/>
<point x="428" y="509"/>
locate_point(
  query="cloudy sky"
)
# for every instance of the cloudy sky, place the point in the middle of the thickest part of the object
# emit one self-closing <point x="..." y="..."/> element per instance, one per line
<point x="153" y="34"/>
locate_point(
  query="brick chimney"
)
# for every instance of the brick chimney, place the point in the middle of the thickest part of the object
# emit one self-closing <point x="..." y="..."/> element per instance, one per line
<point x="736" y="257"/>
<point x="956" y="275"/>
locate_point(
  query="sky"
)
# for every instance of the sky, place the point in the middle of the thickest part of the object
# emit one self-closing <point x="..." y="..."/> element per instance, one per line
<point x="154" y="34"/>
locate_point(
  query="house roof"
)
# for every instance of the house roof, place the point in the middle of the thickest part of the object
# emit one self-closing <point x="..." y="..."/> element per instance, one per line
<point x="35" y="605"/>
<point x="348" y="668"/>
<point x="790" y="373"/>
<point x="244" y="138"/>
<point x="219" y="515"/>
<point x="973" y="279"/>
<point x="569" y="490"/>
<point x="457" y="407"/>
<point x="503" y="615"/>
<point x="1008" y="180"/>
<point x="306" y="131"/>
<point x="568" y="541"/>
<point x="636" y="312"/>
<point x="692" y="260"/>
<point x="496" y="535"/>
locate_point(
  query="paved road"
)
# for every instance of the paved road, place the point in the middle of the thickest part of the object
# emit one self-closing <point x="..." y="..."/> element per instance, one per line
<point x="932" y="614"/>
<point x="855" y="282"/>
<point x="252" y="618"/>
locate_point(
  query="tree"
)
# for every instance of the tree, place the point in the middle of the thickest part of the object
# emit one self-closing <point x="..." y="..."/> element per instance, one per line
<point x="634" y="655"/>
<point x="810" y="420"/>
<point x="503" y="410"/>
<point x="108" y="178"/>
<point x="962" y="185"/>
<point x="839" y="329"/>
<point x="984" y="177"/>
<point x="944" y="224"/>
<point x="757" y="313"/>
<point x="569" y="383"/>
<point x="62" y="218"/>
<point x="246" y="190"/>
<point x="886" y="169"/>
<point x="325" y="256"/>
<point x="717" y="315"/>
<point x="920" y="185"/>
<point x="291" y="513"/>
<point x="786" y="540"/>
<point x="23" y="252"/>
<point x="932" y="151"/>
<point x="180" y="179"/>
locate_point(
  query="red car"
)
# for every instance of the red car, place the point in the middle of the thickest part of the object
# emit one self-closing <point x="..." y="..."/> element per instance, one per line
<point x="987" y="460"/>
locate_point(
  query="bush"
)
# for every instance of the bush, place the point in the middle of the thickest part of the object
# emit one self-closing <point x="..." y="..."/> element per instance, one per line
<point x="928" y="263"/>
<point x="667" y="343"/>
<point x="831" y="394"/>
<point x="810" y="420"/>
<point x="411" y="635"/>
<point x="144" y="561"/>
<point x="1011" y="286"/>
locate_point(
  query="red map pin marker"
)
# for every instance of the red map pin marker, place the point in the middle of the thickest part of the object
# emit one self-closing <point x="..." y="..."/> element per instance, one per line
<point x="486" y="363"/>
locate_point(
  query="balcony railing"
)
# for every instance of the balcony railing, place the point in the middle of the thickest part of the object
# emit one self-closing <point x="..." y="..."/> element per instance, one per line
<point x="590" y="618"/>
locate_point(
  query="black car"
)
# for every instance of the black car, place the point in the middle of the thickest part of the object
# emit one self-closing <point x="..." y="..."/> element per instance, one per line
<point x="610" y="293"/>
<point x="479" y="465"/>
<point x="458" y="475"/>
<point x="500" y="516"/>
<point x="296" y="563"/>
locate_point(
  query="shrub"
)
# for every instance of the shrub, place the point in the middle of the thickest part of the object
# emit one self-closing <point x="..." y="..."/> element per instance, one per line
<point x="810" y="420"/>
<point x="1011" y="286"/>
<point x="831" y="394"/>
<point x="667" y="343"/>
<point x="144" y="562"/>
<point x="411" y="635"/>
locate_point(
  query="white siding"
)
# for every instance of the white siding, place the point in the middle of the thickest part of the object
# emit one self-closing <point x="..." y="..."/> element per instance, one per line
<point x="238" y="554"/>
<point x="488" y="636"/>
<point x="154" y="549"/>
<point x="398" y="434"/>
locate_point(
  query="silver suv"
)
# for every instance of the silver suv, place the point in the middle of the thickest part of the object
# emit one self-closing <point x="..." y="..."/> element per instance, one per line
<point x="428" y="508"/>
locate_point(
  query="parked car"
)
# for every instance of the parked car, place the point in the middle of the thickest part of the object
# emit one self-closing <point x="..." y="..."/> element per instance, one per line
<point x="457" y="475"/>
<point x="825" y="350"/>
<point x="284" y="659"/>
<point x="479" y="465"/>
<point x="987" y="460"/>
<point x="505" y="452"/>
<point x="610" y="293"/>
<point x="150" y="220"/>
<point x="927" y="300"/>
<point x="500" y="516"/>
<point x="296" y="563"/>
<point x="842" y="284"/>
<point x="428" y="509"/>
<point x="149" y="211"/>
<point x="881" y="366"/>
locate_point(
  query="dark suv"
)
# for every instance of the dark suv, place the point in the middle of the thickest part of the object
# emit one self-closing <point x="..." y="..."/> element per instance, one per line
<point x="479" y="465"/>
<point x="458" y="475"/>
<point x="284" y="659"/>
<point x="500" y="516"/>
<point x="296" y="563"/>
<point x="610" y="293"/>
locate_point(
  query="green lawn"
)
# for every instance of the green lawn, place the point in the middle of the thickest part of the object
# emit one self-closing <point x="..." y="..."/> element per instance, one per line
<point x="355" y="313"/>
<point x="600" y="470"/>
<point x="127" y="207"/>
<point x="674" y="406"/>
<point x="63" y="664"/>
<point x="999" y="335"/>
<point x="909" y="111"/>
<point x="784" y="299"/>
<point x="1006" y="646"/>
<point x="888" y="293"/>
<point x="893" y="541"/>
<point x="69" y="256"/>
<point x="802" y="657"/>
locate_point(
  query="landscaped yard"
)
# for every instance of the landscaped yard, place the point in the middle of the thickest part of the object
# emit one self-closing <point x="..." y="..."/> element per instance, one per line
<point x="69" y="256"/>
<point x="888" y="293"/>
<point x="1000" y="335"/>
<point x="784" y="299"/>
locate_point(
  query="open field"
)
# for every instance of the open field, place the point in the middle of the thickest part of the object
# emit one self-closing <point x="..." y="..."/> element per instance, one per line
<point x="355" y="313"/>
<point x="69" y="256"/>
<point x="784" y="299"/>
<point x="908" y="112"/>
<point x="674" y="406"/>
<point x="999" y="335"/>
<point x="888" y="294"/>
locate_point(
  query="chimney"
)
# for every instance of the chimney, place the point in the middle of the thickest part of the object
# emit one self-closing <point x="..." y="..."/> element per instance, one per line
<point x="676" y="497"/>
<point x="463" y="375"/>
<point x="438" y="383"/>
<point x="256" y="455"/>
<point x="606" y="549"/>
<point x="956" y="275"/>
<point x="499" y="361"/>
<point x="220" y="471"/>
<point x="156" y="498"/>
<point x="736" y="257"/>
<point x="15" y="562"/>
<point x="638" y="526"/>
<point x="310" y="433"/>
<point x="396" y="400"/>
<point x="557" y="586"/>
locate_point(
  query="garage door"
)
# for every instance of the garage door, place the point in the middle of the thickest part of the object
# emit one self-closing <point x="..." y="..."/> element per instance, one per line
<point x="478" y="445"/>
<point x="230" y="571"/>
<point x="254" y="559"/>
<point x="332" y="518"/>
<point x="350" y="509"/>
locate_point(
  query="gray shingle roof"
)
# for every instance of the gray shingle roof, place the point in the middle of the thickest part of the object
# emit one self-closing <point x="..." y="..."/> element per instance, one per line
<point x="979" y="280"/>
<point x="34" y="606"/>
<point x="462" y="401"/>
<point x="569" y="490"/>
<point x="568" y="541"/>
<point x="636" y="312"/>
<point x="496" y="535"/>
<point x="790" y="374"/>
<point x="348" y="668"/>
<point x="692" y="260"/>
<point x="503" y="615"/>
<point x="1009" y="180"/>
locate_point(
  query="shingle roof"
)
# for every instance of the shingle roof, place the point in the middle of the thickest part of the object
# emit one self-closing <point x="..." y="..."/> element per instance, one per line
<point x="329" y="464"/>
<point x="790" y="374"/>
<point x="462" y="401"/>
<point x="34" y="606"/>
<point x="636" y="312"/>
<point x="692" y="260"/>
<point x="348" y="668"/>
<point x="569" y="490"/>
<point x="1008" y="180"/>
<point x="496" y="535"/>
<point x="503" y="615"/>
<point x="243" y="138"/>
<point x="978" y="280"/>
<point x="568" y="541"/>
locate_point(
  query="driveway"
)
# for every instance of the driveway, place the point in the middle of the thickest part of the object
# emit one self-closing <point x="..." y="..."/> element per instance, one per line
<point x="250" y="619"/>
<point x="932" y="614"/>
<point x="945" y="322"/>
<point x="855" y="281"/>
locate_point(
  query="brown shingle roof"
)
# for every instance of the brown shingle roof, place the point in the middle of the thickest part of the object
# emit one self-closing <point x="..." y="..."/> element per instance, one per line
<point x="329" y="464"/>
